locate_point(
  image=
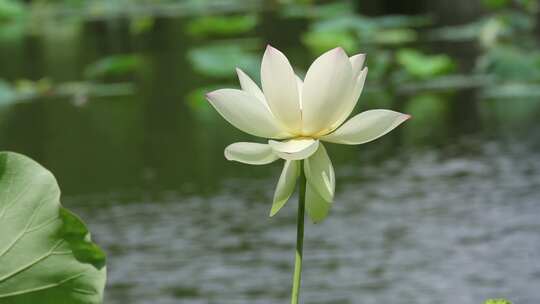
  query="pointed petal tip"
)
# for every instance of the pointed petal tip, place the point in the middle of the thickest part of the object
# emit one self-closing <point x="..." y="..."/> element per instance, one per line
<point x="337" y="54"/>
<point x="215" y="92"/>
<point x="240" y="73"/>
<point x="273" y="50"/>
<point x="269" y="48"/>
<point x="211" y="96"/>
<point x="408" y="116"/>
<point x="361" y="56"/>
<point x="338" y="50"/>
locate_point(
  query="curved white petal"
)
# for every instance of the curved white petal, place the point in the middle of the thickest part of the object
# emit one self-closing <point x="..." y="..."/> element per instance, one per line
<point x="320" y="174"/>
<point x="294" y="149"/>
<point x="357" y="63"/>
<point x="280" y="88"/>
<point x="327" y="89"/>
<point x="359" y="86"/>
<point x="286" y="185"/>
<point x="300" y="85"/>
<point x="366" y="126"/>
<point x="250" y="153"/>
<point x="348" y="108"/>
<point x="317" y="207"/>
<point x="249" y="86"/>
<point x="246" y="112"/>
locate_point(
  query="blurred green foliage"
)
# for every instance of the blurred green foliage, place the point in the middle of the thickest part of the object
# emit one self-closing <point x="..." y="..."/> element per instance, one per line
<point x="429" y="112"/>
<point x="502" y="59"/>
<point x="139" y="25"/>
<point x="113" y="66"/>
<point x="497" y="301"/>
<point x="511" y="63"/>
<point x="220" y="60"/>
<point x="198" y="104"/>
<point x="10" y="10"/>
<point x="221" y="25"/>
<point x="12" y="19"/>
<point x="7" y="92"/>
<point x="319" y="42"/>
<point x="529" y="5"/>
<point x="23" y="89"/>
<point x="355" y="31"/>
<point x="422" y="66"/>
<point x="494" y="4"/>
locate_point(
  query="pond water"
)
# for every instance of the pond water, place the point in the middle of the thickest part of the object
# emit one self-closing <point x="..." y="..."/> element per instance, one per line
<point x="446" y="225"/>
<point x="443" y="210"/>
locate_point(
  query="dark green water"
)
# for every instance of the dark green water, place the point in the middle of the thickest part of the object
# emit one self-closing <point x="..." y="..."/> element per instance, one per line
<point x="443" y="210"/>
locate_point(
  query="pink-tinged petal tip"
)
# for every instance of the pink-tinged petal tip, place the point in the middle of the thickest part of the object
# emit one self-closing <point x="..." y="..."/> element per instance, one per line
<point x="339" y="50"/>
<point x="270" y="48"/>
<point x="209" y="95"/>
<point x="337" y="53"/>
<point x="408" y="116"/>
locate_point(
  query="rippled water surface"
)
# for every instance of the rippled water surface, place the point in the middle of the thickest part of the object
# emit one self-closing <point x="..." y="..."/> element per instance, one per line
<point x="452" y="225"/>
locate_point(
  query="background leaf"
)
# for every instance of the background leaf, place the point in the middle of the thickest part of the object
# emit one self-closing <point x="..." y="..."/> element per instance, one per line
<point x="221" y="25"/>
<point x="113" y="66"/>
<point x="497" y="301"/>
<point x="218" y="60"/>
<point x="424" y="66"/>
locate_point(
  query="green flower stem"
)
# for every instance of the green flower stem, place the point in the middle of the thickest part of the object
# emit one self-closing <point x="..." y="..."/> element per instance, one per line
<point x="299" y="236"/>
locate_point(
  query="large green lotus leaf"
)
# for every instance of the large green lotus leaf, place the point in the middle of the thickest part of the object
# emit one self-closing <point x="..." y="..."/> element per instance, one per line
<point x="46" y="255"/>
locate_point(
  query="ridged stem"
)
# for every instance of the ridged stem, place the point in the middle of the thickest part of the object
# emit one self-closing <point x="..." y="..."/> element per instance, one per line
<point x="299" y="237"/>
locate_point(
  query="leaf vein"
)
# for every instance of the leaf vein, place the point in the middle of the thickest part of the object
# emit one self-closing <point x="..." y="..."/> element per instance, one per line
<point x="25" y="231"/>
<point x="17" y="198"/>
<point x="34" y="262"/>
<point x="39" y="288"/>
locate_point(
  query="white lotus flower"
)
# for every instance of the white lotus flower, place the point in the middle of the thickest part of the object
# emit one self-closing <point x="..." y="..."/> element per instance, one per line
<point x="297" y="115"/>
